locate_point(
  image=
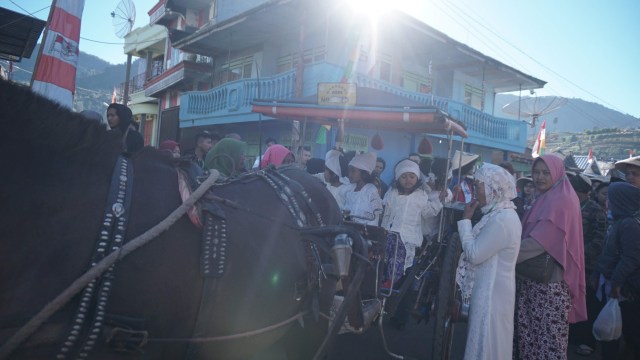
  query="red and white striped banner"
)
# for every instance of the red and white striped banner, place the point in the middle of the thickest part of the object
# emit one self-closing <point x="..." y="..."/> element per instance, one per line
<point x="55" y="74"/>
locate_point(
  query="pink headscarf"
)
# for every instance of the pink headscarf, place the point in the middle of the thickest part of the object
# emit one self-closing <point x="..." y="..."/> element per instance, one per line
<point x="275" y="155"/>
<point x="555" y="221"/>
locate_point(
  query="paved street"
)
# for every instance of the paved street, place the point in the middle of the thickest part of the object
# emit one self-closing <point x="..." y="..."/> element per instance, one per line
<point x="414" y="343"/>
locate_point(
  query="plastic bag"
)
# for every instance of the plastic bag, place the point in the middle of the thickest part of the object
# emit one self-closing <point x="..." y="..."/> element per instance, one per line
<point x="608" y="324"/>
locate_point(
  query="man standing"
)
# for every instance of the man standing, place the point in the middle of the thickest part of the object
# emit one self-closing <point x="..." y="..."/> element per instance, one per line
<point x="304" y="153"/>
<point x="204" y="142"/>
<point x="377" y="172"/>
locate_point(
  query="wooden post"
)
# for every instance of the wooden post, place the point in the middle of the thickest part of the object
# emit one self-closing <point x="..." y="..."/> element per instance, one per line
<point x="125" y="98"/>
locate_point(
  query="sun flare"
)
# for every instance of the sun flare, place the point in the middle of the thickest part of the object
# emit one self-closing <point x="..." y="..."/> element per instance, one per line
<point x="376" y="8"/>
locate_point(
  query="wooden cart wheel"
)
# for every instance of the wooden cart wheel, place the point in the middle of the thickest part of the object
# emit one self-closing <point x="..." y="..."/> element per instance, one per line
<point x="443" y="321"/>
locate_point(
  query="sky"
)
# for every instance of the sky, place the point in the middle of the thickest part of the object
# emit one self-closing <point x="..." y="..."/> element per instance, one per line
<point x="588" y="49"/>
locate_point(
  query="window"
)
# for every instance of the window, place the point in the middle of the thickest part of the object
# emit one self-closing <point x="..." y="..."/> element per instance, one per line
<point x="236" y="69"/>
<point x="290" y="61"/>
<point x="473" y="96"/>
<point x="414" y="82"/>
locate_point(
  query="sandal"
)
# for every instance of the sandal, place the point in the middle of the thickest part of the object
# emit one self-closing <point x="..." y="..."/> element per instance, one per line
<point x="584" y="350"/>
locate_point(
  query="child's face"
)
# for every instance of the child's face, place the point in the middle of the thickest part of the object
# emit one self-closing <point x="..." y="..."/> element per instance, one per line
<point x="354" y="175"/>
<point x="408" y="180"/>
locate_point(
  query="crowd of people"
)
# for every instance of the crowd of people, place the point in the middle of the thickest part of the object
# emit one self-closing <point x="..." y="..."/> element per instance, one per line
<point x="541" y="254"/>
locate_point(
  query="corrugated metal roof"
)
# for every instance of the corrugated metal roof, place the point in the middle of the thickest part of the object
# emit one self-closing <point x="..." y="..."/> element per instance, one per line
<point x="19" y="34"/>
<point x="583" y="163"/>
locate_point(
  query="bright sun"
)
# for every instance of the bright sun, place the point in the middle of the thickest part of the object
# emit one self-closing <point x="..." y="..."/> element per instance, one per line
<point x="375" y="8"/>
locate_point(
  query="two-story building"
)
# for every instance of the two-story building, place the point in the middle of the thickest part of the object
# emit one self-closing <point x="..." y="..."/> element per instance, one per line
<point x="283" y="49"/>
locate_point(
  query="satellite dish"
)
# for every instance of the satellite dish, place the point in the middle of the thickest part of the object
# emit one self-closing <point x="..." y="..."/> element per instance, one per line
<point x="534" y="107"/>
<point x="123" y="18"/>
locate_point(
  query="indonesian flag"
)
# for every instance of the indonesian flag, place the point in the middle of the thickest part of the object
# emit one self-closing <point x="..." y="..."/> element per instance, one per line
<point x="590" y="158"/>
<point x="538" y="147"/>
<point x="114" y="97"/>
<point x="55" y="73"/>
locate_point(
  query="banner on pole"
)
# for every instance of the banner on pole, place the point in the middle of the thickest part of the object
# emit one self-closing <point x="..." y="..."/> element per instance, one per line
<point x="55" y="73"/>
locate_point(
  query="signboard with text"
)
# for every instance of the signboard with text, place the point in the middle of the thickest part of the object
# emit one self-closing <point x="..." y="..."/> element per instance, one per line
<point x="337" y="94"/>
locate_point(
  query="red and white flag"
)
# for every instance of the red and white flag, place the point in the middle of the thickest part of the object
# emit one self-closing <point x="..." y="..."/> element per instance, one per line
<point x="55" y="72"/>
<point x="538" y="147"/>
<point x="590" y="158"/>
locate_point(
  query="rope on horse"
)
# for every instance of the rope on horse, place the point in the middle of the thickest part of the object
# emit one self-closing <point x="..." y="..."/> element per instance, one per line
<point x="246" y="334"/>
<point x="34" y="324"/>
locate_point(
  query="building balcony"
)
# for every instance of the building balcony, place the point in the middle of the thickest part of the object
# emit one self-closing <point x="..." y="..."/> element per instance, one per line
<point x="183" y="72"/>
<point x="231" y="102"/>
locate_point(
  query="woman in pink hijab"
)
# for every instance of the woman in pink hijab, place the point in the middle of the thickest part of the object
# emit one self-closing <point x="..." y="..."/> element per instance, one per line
<point x="276" y="155"/>
<point x="553" y="225"/>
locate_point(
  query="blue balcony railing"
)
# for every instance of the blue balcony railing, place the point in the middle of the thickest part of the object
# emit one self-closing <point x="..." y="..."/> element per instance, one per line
<point x="235" y="97"/>
<point x="234" y="100"/>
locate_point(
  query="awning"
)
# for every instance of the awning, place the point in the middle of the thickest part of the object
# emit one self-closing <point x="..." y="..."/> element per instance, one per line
<point x="19" y="34"/>
<point x="373" y="109"/>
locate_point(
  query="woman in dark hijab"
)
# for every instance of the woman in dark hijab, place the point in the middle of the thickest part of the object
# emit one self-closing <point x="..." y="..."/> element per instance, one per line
<point x="620" y="260"/>
<point x="120" y="117"/>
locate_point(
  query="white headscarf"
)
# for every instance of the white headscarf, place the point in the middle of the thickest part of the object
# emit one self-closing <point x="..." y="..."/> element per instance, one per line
<point x="500" y="188"/>
<point x="332" y="161"/>
<point x="406" y="166"/>
<point x="499" y="185"/>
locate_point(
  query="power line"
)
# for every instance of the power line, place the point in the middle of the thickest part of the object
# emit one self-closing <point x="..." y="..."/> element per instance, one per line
<point x="24" y="16"/>
<point x="481" y="23"/>
<point x="122" y="43"/>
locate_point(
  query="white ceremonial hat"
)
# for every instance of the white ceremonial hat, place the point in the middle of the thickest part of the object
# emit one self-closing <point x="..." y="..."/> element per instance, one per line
<point x="366" y="162"/>
<point x="332" y="161"/>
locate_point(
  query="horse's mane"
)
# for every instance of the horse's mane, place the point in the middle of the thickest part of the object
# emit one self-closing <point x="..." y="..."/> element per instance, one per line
<point x="30" y="121"/>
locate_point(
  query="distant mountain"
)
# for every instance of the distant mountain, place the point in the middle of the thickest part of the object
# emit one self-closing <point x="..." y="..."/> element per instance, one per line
<point x="575" y="116"/>
<point x="95" y="79"/>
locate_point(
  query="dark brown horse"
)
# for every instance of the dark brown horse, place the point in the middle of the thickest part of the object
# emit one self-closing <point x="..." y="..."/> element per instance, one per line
<point x="56" y="170"/>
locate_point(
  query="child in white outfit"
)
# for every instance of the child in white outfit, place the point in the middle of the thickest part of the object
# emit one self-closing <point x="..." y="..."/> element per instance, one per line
<point x="407" y="206"/>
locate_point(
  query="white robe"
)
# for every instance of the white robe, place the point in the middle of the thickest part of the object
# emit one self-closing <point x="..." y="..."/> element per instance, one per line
<point x="494" y="251"/>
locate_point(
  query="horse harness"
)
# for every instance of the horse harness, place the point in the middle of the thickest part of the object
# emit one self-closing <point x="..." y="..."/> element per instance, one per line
<point x="90" y="317"/>
<point x="214" y="253"/>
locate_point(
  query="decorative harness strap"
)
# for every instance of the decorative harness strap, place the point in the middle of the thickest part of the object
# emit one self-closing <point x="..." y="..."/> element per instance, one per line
<point x="85" y="329"/>
<point x="215" y="243"/>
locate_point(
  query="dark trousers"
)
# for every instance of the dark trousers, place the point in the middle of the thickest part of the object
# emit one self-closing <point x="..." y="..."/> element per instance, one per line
<point x="630" y="332"/>
<point x="581" y="333"/>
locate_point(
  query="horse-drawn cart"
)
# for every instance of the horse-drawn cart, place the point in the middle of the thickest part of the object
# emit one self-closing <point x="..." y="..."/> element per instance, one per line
<point x="434" y="271"/>
<point x="259" y="273"/>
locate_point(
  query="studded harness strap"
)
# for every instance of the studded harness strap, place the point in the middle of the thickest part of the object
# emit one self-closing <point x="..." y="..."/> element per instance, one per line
<point x="90" y="314"/>
<point x="215" y="243"/>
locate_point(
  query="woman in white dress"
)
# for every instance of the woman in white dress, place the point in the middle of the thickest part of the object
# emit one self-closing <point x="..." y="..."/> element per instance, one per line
<point x="487" y="266"/>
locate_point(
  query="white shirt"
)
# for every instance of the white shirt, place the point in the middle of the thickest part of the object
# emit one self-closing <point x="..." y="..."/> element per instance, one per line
<point x="364" y="203"/>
